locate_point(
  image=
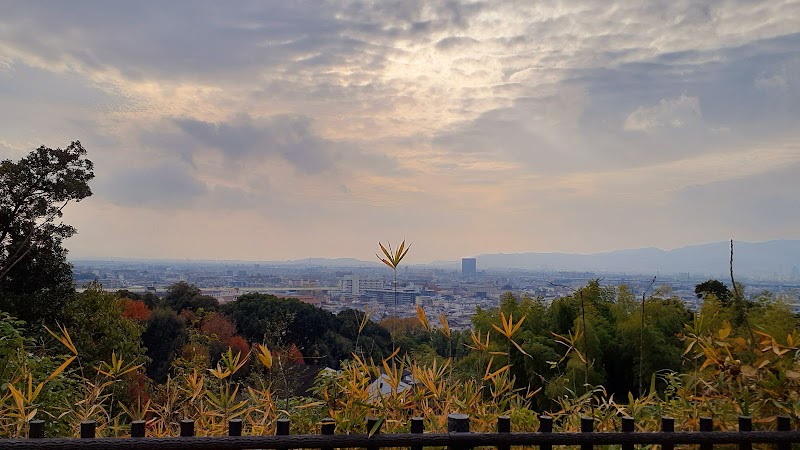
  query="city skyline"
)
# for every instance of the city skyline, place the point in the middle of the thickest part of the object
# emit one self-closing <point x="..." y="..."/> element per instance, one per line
<point x="275" y="131"/>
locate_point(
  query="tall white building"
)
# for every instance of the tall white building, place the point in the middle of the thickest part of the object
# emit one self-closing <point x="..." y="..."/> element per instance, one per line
<point x="355" y="285"/>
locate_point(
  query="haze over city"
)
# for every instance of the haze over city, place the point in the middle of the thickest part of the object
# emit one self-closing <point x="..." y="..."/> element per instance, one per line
<point x="285" y="130"/>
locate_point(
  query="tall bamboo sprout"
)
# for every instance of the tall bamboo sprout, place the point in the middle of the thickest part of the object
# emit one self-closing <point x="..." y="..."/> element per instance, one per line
<point x="393" y="258"/>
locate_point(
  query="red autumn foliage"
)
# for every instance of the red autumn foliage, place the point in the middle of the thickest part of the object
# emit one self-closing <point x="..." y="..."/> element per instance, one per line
<point x="136" y="382"/>
<point x="295" y="355"/>
<point x="136" y="310"/>
<point x="292" y="355"/>
<point x="188" y="316"/>
<point x="216" y="324"/>
<point x="237" y="345"/>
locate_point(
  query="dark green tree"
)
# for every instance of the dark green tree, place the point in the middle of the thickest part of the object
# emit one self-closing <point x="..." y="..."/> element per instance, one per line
<point x="716" y="288"/>
<point x="35" y="278"/>
<point x="323" y="338"/>
<point x="164" y="337"/>
<point x="183" y="295"/>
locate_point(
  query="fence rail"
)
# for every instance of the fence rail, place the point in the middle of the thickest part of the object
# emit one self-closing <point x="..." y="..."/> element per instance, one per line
<point x="458" y="438"/>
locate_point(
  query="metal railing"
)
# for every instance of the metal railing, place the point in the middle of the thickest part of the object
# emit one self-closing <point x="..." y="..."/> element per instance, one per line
<point x="458" y="437"/>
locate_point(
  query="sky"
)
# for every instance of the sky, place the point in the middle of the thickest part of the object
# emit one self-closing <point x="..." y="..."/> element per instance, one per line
<point x="272" y="130"/>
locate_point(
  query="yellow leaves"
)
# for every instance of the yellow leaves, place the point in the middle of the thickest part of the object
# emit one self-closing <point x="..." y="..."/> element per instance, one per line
<point x="490" y="376"/>
<point x="309" y="405"/>
<point x="116" y="368"/>
<point x="423" y="319"/>
<point x="234" y="361"/>
<point x="219" y="372"/>
<point x="229" y="364"/>
<point x="777" y="348"/>
<point x="60" y="369"/>
<point x="365" y="319"/>
<point x="64" y="338"/>
<point x="725" y="331"/>
<point x="393" y="257"/>
<point x="509" y="327"/>
<point x="394" y="373"/>
<point x="479" y="344"/>
<point x="445" y="326"/>
<point x="264" y="355"/>
<point x="432" y="378"/>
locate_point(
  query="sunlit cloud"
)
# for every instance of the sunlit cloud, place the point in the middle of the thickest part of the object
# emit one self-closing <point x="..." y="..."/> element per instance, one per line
<point x="501" y="124"/>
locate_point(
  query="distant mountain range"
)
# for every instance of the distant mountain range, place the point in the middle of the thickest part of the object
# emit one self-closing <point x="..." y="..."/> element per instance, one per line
<point x="768" y="259"/>
<point x="750" y="259"/>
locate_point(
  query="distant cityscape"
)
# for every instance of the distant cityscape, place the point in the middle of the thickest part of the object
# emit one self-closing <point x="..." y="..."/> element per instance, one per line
<point x="335" y="285"/>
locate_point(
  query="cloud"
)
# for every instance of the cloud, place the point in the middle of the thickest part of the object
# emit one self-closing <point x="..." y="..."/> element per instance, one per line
<point x="159" y="186"/>
<point x="771" y="82"/>
<point x="677" y="112"/>
<point x="407" y="115"/>
<point x="245" y="139"/>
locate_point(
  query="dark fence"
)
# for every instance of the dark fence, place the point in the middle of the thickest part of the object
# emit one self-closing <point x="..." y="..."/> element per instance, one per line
<point x="458" y="437"/>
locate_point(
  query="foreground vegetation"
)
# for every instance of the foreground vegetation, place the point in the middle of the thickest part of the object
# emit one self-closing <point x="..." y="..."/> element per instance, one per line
<point x="99" y="370"/>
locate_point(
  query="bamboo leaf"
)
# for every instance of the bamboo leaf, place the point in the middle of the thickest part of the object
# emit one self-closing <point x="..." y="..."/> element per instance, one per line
<point x="386" y="252"/>
<point x="376" y="427"/>
<point x="499" y="330"/>
<point x="725" y="331"/>
<point x="520" y="349"/>
<point x="445" y="325"/>
<point x="491" y="376"/>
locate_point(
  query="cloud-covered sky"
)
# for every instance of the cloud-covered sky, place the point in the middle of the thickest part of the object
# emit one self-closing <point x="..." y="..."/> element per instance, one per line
<point x="290" y="129"/>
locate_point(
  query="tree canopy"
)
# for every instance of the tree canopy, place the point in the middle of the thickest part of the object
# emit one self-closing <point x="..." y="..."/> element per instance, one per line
<point x="35" y="278"/>
<point x="716" y="288"/>
<point x="183" y="295"/>
<point x="322" y="337"/>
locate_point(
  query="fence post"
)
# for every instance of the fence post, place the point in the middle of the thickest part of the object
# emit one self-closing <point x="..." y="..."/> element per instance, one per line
<point x="328" y="428"/>
<point x="417" y="427"/>
<point x="36" y="429"/>
<point x="628" y="426"/>
<point x="667" y="426"/>
<point x="504" y="426"/>
<point x="137" y="428"/>
<point x="282" y="427"/>
<point x="235" y="427"/>
<point x="458" y="423"/>
<point x="784" y="424"/>
<point x="373" y="423"/>
<point x="745" y="424"/>
<point x="187" y="428"/>
<point x="706" y="425"/>
<point x="88" y="429"/>
<point x="545" y="426"/>
<point x="587" y="426"/>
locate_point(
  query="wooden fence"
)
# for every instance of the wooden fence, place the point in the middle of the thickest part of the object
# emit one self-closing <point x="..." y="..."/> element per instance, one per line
<point x="458" y="437"/>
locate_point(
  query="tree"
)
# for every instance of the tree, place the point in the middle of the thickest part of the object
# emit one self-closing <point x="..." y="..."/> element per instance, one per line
<point x="715" y="287"/>
<point x="183" y="295"/>
<point x="35" y="278"/>
<point x="135" y="310"/>
<point x="98" y="326"/>
<point x="164" y="337"/>
<point x="323" y="338"/>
